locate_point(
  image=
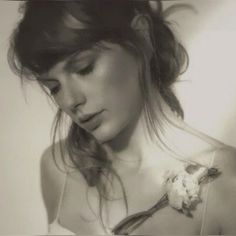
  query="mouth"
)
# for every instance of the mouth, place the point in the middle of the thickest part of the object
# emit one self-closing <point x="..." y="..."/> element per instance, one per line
<point x="92" y="121"/>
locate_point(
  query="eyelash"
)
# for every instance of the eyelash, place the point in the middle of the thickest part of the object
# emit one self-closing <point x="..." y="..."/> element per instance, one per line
<point x="54" y="91"/>
<point x="86" y="70"/>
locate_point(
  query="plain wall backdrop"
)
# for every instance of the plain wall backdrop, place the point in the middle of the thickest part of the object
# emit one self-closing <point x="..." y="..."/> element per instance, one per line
<point x="207" y="93"/>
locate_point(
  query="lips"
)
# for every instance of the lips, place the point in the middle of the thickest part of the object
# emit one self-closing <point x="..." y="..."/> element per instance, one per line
<point x="87" y="117"/>
<point x="91" y="121"/>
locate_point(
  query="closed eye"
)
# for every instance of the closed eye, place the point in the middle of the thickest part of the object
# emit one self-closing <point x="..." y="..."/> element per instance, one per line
<point x="51" y="84"/>
<point x="54" y="90"/>
<point x="86" y="70"/>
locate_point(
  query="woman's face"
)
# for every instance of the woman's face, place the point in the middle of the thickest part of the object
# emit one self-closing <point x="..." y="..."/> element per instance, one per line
<point x="98" y="89"/>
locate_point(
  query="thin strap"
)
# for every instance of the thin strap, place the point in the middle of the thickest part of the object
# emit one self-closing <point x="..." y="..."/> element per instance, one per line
<point x="204" y="212"/>
<point x="61" y="196"/>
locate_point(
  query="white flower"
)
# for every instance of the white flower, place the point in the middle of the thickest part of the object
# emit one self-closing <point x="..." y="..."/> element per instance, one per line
<point x="183" y="187"/>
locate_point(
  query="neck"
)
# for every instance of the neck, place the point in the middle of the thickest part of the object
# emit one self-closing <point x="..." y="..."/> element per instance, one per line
<point x="134" y="150"/>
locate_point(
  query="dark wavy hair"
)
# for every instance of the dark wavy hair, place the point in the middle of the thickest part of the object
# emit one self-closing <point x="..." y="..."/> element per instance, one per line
<point x="48" y="33"/>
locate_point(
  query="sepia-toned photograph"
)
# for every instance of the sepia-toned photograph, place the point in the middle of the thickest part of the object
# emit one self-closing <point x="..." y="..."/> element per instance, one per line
<point x="118" y="117"/>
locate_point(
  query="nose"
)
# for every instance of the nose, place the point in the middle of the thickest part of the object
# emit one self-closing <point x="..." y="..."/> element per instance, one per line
<point x="72" y="98"/>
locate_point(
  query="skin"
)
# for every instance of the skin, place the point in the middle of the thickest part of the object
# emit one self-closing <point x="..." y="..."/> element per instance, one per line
<point x="98" y="80"/>
<point x="112" y="87"/>
<point x="103" y="80"/>
<point x="106" y="80"/>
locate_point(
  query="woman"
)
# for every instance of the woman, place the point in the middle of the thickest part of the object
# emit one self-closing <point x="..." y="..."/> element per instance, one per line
<point x="109" y="66"/>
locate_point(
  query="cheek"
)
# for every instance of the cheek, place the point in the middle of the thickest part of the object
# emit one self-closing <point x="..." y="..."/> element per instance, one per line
<point x="118" y="91"/>
<point x="115" y="88"/>
<point x="117" y="76"/>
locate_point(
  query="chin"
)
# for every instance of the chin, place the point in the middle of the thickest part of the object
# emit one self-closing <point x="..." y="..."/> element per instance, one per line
<point x="107" y="133"/>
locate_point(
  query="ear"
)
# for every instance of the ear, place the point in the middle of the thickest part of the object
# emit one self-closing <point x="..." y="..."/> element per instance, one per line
<point x="140" y="23"/>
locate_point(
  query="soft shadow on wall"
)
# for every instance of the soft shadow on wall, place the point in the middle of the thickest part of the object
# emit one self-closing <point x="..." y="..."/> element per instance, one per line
<point x="207" y="89"/>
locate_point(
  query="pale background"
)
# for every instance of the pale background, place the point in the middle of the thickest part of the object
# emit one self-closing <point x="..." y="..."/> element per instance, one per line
<point x="208" y="97"/>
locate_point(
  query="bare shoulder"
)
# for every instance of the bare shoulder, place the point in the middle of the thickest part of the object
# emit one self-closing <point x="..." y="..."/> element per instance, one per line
<point x="53" y="174"/>
<point x="222" y="194"/>
<point x="225" y="159"/>
<point x="53" y="165"/>
<point x="52" y="177"/>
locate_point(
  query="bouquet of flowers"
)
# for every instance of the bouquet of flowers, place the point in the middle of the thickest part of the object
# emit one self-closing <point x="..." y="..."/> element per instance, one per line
<point x="182" y="193"/>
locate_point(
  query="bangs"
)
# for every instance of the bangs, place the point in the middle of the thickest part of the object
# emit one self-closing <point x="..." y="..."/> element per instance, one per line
<point x="40" y="58"/>
<point x="70" y="29"/>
